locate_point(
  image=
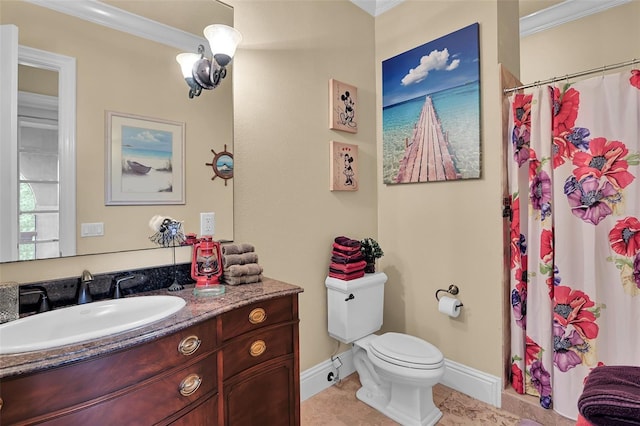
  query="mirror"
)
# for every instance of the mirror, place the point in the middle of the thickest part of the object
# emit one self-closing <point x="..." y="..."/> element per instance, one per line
<point x="117" y="71"/>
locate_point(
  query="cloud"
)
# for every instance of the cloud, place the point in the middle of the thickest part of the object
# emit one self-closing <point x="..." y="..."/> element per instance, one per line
<point x="146" y="136"/>
<point x="436" y="60"/>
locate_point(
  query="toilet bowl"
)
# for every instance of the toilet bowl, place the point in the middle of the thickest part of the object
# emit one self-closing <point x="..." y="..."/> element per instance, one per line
<point x="397" y="371"/>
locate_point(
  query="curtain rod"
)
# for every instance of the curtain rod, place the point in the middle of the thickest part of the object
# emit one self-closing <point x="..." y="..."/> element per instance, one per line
<point x="574" y="75"/>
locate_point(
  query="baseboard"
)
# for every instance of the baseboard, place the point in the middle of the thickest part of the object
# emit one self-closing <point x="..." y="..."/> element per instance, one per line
<point x="314" y="380"/>
<point x="477" y="384"/>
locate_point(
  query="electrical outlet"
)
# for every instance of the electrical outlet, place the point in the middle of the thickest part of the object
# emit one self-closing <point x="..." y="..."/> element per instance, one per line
<point x="207" y="223"/>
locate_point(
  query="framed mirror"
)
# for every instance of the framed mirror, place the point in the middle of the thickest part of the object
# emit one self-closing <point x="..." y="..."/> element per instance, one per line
<point x="134" y="74"/>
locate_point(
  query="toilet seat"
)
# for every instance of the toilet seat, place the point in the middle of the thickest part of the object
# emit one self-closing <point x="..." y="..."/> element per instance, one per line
<point x="406" y="351"/>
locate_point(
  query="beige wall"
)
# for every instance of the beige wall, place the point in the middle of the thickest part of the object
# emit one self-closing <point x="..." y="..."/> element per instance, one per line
<point x="443" y="233"/>
<point x="608" y="37"/>
<point x="282" y="202"/>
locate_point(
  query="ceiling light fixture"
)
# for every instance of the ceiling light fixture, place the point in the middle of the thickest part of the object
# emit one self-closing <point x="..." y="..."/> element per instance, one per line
<point x="203" y="73"/>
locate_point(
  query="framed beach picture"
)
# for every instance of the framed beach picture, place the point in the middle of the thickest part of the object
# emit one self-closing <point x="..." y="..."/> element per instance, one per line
<point x="431" y="111"/>
<point x="145" y="160"/>
<point x="343" y="103"/>
<point x="344" y="166"/>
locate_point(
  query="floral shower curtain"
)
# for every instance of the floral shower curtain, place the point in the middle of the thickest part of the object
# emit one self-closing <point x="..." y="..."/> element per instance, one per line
<point x="574" y="182"/>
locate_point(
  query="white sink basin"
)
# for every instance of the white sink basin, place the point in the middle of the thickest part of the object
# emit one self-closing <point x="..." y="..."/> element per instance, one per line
<point x="84" y="322"/>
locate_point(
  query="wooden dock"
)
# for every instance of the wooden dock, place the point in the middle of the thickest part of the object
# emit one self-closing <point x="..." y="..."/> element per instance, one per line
<point x="427" y="156"/>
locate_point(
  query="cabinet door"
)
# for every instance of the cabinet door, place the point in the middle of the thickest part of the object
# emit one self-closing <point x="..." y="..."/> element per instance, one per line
<point x="264" y="395"/>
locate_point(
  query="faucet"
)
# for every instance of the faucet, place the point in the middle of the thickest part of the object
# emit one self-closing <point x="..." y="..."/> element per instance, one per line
<point x="43" y="300"/>
<point x="84" y="295"/>
<point x="116" y="290"/>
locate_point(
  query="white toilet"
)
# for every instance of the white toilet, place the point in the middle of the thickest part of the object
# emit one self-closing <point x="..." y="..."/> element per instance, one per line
<point x="397" y="371"/>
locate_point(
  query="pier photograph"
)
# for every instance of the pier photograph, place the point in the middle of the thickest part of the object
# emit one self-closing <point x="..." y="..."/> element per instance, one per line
<point x="431" y="110"/>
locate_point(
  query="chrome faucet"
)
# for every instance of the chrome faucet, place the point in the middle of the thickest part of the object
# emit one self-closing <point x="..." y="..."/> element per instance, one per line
<point x="43" y="300"/>
<point x="84" y="295"/>
<point x="116" y="290"/>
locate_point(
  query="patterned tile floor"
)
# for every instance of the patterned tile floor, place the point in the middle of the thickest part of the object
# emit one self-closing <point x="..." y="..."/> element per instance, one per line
<point x="338" y="406"/>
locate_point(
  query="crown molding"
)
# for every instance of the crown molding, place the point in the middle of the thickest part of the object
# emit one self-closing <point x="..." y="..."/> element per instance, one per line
<point x="561" y="13"/>
<point x="121" y="20"/>
<point x="558" y="14"/>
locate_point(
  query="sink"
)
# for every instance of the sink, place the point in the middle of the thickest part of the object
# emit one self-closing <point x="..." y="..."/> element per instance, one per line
<point x="84" y="322"/>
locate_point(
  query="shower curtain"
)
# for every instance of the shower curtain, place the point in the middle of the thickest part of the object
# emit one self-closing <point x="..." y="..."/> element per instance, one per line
<point x="574" y="184"/>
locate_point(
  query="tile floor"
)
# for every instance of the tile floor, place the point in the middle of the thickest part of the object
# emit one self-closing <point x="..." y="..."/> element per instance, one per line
<point x="338" y="406"/>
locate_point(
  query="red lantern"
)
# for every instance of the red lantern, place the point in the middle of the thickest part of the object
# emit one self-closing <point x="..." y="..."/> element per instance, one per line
<point x="206" y="267"/>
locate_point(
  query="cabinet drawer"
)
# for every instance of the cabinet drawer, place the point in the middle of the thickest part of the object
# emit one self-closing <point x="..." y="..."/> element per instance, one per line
<point x="149" y="402"/>
<point x="31" y="395"/>
<point x="205" y="414"/>
<point x="246" y="351"/>
<point x="255" y="316"/>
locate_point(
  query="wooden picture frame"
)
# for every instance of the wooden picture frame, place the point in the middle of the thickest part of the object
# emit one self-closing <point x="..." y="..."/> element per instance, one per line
<point x="145" y="160"/>
<point x="343" y="103"/>
<point x="344" y="166"/>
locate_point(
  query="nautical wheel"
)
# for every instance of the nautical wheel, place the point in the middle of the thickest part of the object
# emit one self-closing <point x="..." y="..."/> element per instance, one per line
<point x="222" y="164"/>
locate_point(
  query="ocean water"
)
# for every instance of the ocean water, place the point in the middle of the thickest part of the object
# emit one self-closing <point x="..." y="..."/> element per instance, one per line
<point x="459" y="111"/>
<point x="147" y="153"/>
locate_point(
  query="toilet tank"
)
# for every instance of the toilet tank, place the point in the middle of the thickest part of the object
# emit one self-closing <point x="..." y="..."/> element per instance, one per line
<point x="355" y="307"/>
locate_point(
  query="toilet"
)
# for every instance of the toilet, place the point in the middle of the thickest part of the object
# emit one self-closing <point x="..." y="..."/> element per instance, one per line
<point x="397" y="371"/>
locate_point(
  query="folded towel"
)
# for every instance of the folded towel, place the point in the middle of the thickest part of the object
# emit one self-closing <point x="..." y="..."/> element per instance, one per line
<point x="343" y="258"/>
<point x="350" y="251"/>
<point x="348" y="268"/>
<point x="611" y="396"/>
<point x="237" y="248"/>
<point x="247" y="279"/>
<point x="346" y="277"/>
<point x="242" y="270"/>
<point x="346" y="241"/>
<point x="239" y="259"/>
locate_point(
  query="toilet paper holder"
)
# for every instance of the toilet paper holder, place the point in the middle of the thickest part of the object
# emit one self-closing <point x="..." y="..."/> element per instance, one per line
<point x="453" y="290"/>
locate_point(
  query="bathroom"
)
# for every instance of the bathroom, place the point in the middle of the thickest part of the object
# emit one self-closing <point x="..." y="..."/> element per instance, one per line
<point x="430" y="235"/>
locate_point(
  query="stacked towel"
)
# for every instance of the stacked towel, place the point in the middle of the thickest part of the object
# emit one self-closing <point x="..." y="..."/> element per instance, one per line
<point x="611" y="396"/>
<point x="240" y="264"/>
<point x="347" y="261"/>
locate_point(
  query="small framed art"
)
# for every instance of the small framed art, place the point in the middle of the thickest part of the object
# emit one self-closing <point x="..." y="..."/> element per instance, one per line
<point x="344" y="167"/>
<point x="343" y="105"/>
<point x="145" y="160"/>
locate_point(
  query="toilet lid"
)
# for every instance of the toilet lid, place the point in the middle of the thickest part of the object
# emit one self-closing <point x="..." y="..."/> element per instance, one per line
<point x="407" y="351"/>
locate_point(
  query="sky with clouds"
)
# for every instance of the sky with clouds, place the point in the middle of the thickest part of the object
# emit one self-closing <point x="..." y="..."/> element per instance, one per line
<point x="449" y="61"/>
<point x="141" y="138"/>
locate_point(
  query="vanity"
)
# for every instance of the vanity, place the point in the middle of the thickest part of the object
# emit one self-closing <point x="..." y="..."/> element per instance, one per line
<point x="226" y="360"/>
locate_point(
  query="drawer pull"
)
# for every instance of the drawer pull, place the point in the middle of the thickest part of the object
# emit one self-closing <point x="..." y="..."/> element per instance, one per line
<point x="257" y="348"/>
<point x="257" y="316"/>
<point x="190" y="384"/>
<point x="189" y="345"/>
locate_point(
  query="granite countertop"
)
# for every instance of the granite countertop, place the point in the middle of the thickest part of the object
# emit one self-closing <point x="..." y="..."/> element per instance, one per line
<point x="196" y="310"/>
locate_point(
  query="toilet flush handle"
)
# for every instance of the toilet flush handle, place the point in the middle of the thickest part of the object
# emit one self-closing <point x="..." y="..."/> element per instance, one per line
<point x="351" y="297"/>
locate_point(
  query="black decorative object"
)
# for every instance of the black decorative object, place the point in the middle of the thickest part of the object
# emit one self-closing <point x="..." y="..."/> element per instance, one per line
<point x="371" y="251"/>
<point x="168" y="234"/>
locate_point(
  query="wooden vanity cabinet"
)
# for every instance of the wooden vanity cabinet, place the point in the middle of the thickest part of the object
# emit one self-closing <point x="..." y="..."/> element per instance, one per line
<point x="240" y="368"/>
<point x="260" y="374"/>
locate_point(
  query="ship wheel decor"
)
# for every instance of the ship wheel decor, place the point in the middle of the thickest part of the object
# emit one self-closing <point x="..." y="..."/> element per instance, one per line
<point x="222" y="164"/>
